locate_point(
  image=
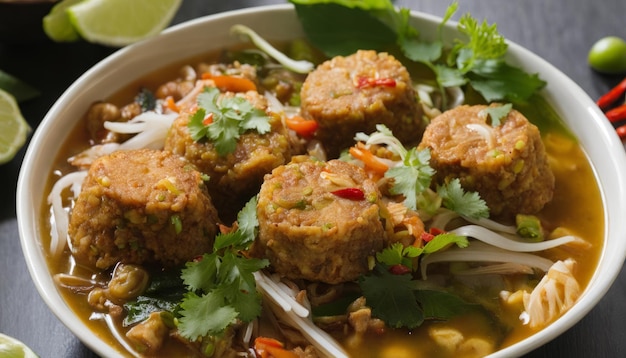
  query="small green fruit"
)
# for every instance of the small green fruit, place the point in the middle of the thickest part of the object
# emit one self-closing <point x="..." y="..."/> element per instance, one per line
<point x="608" y="55"/>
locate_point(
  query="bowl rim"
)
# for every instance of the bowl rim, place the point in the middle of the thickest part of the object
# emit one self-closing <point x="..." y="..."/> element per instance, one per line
<point x="559" y="88"/>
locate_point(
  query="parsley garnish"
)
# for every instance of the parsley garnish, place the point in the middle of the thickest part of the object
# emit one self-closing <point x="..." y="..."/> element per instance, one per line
<point x="231" y="117"/>
<point x="468" y="204"/>
<point x="221" y="285"/>
<point x="397" y="254"/>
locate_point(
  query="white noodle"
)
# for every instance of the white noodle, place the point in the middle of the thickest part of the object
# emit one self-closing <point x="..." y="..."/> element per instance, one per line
<point x="503" y="242"/>
<point x="324" y="343"/>
<point x="481" y="252"/>
<point x="60" y="217"/>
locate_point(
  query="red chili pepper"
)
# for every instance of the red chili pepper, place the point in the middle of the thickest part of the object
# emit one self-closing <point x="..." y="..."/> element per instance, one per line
<point x="616" y="114"/>
<point x="399" y="269"/>
<point x="426" y="236"/>
<point x="363" y="82"/>
<point x="350" y="193"/>
<point x="613" y="95"/>
<point x="432" y="232"/>
<point x="208" y="119"/>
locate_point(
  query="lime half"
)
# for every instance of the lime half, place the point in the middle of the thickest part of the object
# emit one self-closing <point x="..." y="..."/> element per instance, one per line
<point x="121" y="22"/>
<point x="12" y="348"/>
<point x="13" y="127"/>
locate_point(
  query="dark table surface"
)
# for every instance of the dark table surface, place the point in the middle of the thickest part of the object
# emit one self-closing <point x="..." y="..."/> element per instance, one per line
<point x="560" y="31"/>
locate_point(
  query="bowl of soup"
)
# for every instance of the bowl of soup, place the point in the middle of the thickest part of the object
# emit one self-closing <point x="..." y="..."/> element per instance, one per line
<point x="206" y="196"/>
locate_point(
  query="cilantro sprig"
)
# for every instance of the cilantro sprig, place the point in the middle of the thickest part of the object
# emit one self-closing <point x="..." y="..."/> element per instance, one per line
<point x="468" y="204"/>
<point x="230" y="117"/>
<point x="221" y="285"/>
<point x="340" y="27"/>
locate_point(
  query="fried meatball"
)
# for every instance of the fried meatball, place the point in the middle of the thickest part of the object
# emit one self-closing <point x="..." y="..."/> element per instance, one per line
<point x="142" y="206"/>
<point x="352" y="94"/>
<point x="310" y="230"/>
<point x="237" y="176"/>
<point x="506" y="164"/>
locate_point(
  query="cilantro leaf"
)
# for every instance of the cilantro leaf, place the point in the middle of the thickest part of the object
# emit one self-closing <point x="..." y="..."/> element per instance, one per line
<point x="391" y="298"/>
<point x="413" y="177"/>
<point x="222" y="282"/>
<point x="206" y="314"/>
<point x="467" y="204"/>
<point x="496" y="113"/>
<point x="497" y="80"/>
<point x="441" y="305"/>
<point x="201" y="274"/>
<point x="484" y="42"/>
<point x="442" y="241"/>
<point x="391" y="255"/>
<point x="230" y="118"/>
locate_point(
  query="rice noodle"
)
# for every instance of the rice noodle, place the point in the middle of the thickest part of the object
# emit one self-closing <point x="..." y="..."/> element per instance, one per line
<point x="503" y="242"/>
<point x="319" y="338"/>
<point x="151" y="129"/>
<point x="557" y="291"/>
<point x="282" y="294"/>
<point x="60" y="216"/>
<point x="480" y="252"/>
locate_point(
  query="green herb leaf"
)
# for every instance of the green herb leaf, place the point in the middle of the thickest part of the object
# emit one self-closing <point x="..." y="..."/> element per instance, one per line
<point x="222" y="282"/>
<point x="206" y="314"/>
<point x="444" y="240"/>
<point x="496" y="113"/>
<point x="440" y="305"/>
<point x="496" y="80"/>
<point x="467" y="204"/>
<point x="231" y="117"/>
<point x="342" y="27"/>
<point x="413" y="177"/>
<point x="391" y="298"/>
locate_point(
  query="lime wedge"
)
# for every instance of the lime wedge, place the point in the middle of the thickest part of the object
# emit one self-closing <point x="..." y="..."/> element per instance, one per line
<point x="12" y="348"/>
<point x="57" y="25"/>
<point x="14" y="127"/>
<point x="121" y="22"/>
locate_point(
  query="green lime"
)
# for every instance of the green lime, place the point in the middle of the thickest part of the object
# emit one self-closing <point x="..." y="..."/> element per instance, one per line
<point x="57" y="25"/>
<point x="12" y="348"/>
<point x="14" y="127"/>
<point x="608" y="55"/>
<point x="121" y="22"/>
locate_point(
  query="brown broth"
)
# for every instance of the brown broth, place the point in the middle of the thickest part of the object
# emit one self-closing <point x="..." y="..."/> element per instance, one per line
<point x="575" y="184"/>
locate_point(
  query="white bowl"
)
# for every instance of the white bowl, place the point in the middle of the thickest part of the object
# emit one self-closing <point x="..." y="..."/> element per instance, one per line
<point x="280" y="23"/>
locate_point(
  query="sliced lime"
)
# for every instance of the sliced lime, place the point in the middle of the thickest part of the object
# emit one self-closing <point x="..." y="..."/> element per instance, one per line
<point x="121" y="22"/>
<point x="14" y="127"/>
<point x="12" y="348"/>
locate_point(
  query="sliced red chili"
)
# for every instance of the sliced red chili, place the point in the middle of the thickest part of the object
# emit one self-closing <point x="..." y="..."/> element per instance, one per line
<point x="621" y="131"/>
<point x="350" y="193"/>
<point x="399" y="269"/>
<point x="616" y="114"/>
<point x="426" y="236"/>
<point x="613" y="95"/>
<point x="208" y="119"/>
<point x="364" y="82"/>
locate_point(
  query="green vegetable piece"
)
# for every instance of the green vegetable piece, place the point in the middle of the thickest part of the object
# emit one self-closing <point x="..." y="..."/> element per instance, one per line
<point x="608" y="55"/>
<point x="529" y="227"/>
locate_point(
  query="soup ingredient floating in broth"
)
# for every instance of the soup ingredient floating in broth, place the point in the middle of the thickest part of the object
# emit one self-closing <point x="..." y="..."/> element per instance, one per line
<point x="15" y="127"/>
<point x="109" y="22"/>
